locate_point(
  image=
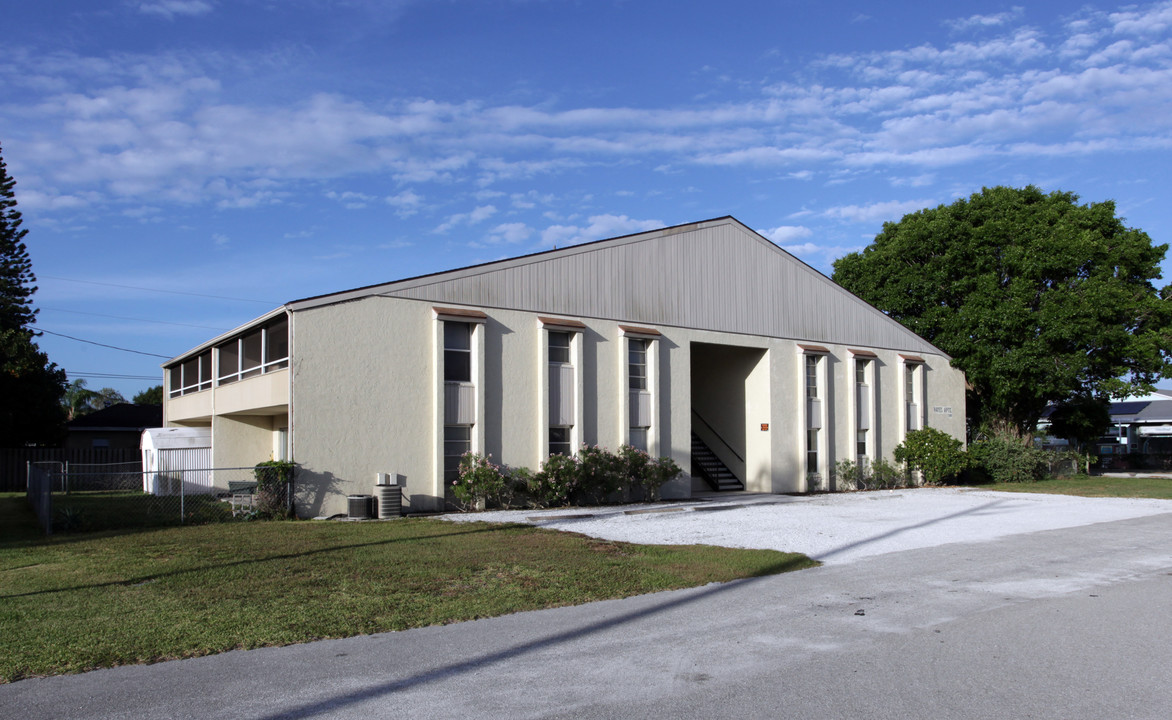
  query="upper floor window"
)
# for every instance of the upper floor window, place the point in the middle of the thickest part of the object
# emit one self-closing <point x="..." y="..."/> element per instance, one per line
<point x="457" y="352"/>
<point x="192" y="375"/>
<point x="637" y="363"/>
<point x="811" y="376"/>
<point x="260" y="351"/>
<point x="559" y="347"/>
<point x="909" y="384"/>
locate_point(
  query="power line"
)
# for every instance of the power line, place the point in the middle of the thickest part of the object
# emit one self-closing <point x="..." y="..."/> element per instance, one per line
<point x="112" y="347"/>
<point x="113" y="376"/>
<point x="122" y="317"/>
<point x="171" y="292"/>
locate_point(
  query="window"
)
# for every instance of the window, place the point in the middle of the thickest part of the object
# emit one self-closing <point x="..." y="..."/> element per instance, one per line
<point x="811" y="377"/>
<point x="909" y="384"/>
<point x="260" y="351"/>
<point x="637" y="363"/>
<point x="457" y="352"/>
<point x="863" y="402"/>
<point x="193" y="375"/>
<point x="812" y="450"/>
<point x="457" y="442"/>
<point x="561" y="391"/>
<point x="559" y="347"/>
<point x="639" y="438"/>
<point x="559" y="441"/>
<point x="861" y="370"/>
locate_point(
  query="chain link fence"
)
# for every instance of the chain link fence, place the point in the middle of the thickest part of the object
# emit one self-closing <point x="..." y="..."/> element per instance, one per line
<point x="109" y="496"/>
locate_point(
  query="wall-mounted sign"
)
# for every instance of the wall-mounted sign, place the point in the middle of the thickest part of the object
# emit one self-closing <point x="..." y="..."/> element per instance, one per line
<point x="764" y="427"/>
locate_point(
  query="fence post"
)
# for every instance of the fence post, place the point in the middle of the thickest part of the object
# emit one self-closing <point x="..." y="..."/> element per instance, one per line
<point x="65" y="479"/>
<point x="182" y="497"/>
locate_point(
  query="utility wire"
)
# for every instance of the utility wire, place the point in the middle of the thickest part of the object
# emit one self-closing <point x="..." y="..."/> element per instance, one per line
<point x="171" y="292"/>
<point x="113" y="376"/>
<point x="112" y="347"/>
<point x="123" y="317"/>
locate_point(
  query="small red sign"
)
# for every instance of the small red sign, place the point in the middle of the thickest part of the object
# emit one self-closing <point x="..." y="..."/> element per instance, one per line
<point x="764" y="427"/>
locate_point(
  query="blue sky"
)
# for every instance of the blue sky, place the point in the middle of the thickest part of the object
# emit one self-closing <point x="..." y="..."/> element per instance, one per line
<point x="186" y="165"/>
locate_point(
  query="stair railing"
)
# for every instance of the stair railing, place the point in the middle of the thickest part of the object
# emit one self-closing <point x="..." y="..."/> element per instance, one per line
<point x="717" y="435"/>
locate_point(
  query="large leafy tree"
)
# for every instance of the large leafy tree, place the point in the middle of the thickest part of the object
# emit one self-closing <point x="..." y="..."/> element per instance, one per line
<point x="1038" y="299"/>
<point x="30" y="385"/>
<point x="151" y="396"/>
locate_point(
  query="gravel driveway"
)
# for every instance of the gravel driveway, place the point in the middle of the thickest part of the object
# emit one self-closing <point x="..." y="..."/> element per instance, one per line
<point x="838" y="528"/>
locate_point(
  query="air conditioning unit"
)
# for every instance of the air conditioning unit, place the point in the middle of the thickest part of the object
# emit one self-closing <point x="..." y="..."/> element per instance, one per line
<point x="360" y="507"/>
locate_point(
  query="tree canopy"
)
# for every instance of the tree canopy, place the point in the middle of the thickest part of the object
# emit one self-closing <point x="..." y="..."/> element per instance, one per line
<point x="151" y="396"/>
<point x="1038" y="299"/>
<point x="79" y="400"/>
<point x="30" y="384"/>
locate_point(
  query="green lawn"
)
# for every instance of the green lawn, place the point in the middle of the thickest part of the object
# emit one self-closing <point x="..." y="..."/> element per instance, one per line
<point x="73" y="602"/>
<point x="1091" y="486"/>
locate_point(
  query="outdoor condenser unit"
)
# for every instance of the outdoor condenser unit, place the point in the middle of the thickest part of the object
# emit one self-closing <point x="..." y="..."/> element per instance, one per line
<point x="389" y="494"/>
<point x="360" y="507"/>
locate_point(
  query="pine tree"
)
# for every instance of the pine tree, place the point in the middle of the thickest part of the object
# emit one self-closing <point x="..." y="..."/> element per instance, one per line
<point x="31" y="386"/>
<point x="16" y="270"/>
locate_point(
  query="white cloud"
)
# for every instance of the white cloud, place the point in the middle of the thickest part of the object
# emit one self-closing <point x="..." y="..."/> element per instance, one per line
<point x="783" y="234"/>
<point x="351" y="200"/>
<point x="598" y="228"/>
<point x="170" y="8"/>
<point x="406" y="203"/>
<point x="477" y="215"/>
<point x="986" y="21"/>
<point x="803" y="250"/>
<point x="891" y="210"/>
<point x="220" y="239"/>
<point x="514" y="232"/>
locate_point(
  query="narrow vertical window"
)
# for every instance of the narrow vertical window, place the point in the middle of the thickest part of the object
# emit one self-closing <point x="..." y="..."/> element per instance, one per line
<point x="813" y="411"/>
<point x="561" y="393"/>
<point x="862" y="408"/>
<point x="909" y="384"/>
<point x="559" y="347"/>
<point x="457" y="442"/>
<point x="637" y="363"/>
<point x="457" y="352"/>
<point x="559" y="441"/>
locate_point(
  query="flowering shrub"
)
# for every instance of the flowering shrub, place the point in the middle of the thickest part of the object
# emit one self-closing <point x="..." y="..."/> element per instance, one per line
<point x="593" y="475"/>
<point x="555" y="482"/>
<point x="480" y="482"/>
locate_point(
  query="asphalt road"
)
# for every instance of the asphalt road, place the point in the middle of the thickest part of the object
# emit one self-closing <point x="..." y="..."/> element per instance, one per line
<point x="1068" y="623"/>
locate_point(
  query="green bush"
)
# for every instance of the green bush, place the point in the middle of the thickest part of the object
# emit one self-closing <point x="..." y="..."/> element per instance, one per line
<point x="480" y="483"/>
<point x="877" y="475"/>
<point x="595" y="475"/>
<point x="555" y="482"/>
<point x="601" y="474"/>
<point x="1004" y="458"/>
<point x="273" y="478"/>
<point x="938" y="455"/>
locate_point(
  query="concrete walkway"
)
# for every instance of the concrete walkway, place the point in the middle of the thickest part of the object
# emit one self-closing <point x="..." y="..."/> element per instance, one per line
<point x="1063" y="623"/>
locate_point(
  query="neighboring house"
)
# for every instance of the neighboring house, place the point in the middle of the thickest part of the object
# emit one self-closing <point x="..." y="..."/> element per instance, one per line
<point x="117" y="427"/>
<point x="700" y="342"/>
<point x="1141" y="424"/>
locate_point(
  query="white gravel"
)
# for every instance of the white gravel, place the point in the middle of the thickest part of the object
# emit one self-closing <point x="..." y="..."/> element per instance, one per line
<point x="838" y="528"/>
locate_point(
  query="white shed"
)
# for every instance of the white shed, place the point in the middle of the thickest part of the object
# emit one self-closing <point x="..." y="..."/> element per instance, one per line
<point x="176" y="460"/>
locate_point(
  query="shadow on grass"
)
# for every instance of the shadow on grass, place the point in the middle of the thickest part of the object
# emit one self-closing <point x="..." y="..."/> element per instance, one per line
<point x="673" y="600"/>
<point x="251" y="561"/>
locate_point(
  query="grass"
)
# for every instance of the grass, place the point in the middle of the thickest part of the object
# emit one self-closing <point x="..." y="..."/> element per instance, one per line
<point x="92" y="511"/>
<point x="75" y="602"/>
<point x="1091" y="486"/>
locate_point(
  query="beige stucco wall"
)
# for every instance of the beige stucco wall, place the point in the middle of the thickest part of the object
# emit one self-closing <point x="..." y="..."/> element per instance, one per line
<point x="365" y="382"/>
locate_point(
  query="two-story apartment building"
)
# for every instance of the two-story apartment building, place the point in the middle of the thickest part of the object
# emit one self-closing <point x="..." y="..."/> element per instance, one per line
<point x="702" y="342"/>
